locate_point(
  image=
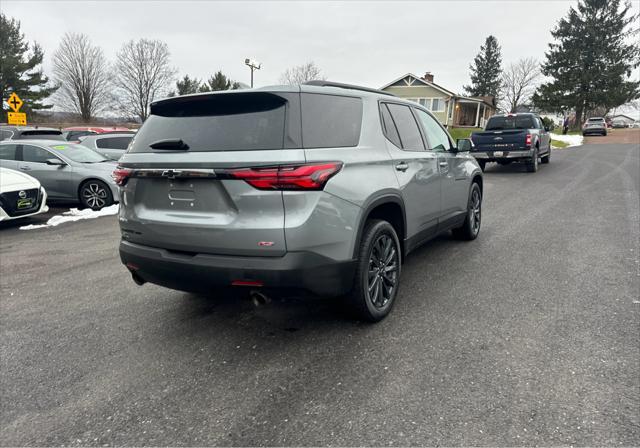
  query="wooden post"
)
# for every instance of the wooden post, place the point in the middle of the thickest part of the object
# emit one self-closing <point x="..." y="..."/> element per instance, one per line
<point x="477" y="115"/>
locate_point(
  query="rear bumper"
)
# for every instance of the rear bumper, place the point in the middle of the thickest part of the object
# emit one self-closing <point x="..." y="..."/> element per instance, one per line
<point x="203" y="272"/>
<point x="598" y="131"/>
<point x="490" y="156"/>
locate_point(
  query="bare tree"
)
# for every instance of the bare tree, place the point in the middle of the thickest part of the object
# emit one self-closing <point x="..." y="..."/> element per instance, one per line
<point x="142" y="73"/>
<point x="81" y="71"/>
<point x="519" y="81"/>
<point x="301" y="74"/>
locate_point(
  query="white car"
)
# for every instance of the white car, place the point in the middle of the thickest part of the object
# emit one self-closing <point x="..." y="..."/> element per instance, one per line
<point x="20" y="195"/>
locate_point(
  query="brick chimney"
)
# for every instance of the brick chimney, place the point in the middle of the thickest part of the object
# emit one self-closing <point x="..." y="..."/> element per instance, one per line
<point x="428" y="76"/>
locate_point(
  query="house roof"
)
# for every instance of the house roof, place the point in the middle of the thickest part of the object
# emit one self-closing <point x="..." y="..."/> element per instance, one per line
<point x="622" y="116"/>
<point x="422" y="81"/>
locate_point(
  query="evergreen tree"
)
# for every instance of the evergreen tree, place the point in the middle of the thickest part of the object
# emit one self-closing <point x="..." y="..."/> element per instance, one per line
<point x="486" y="70"/>
<point x="187" y="85"/>
<point x="591" y="60"/>
<point x="20" y="70"/>
<point x="219" y="82"/>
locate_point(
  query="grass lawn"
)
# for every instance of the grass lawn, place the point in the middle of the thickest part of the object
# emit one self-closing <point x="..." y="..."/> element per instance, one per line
<point x="559" y="144"/>
<point x="457" y="133"/>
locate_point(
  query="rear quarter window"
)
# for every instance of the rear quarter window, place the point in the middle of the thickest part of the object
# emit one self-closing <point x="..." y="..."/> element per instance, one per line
<point x="330" y="120"/>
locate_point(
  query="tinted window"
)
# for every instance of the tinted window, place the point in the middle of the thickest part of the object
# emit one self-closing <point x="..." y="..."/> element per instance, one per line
<point x="49" y="135"/>
<point x="75" y="135"/>
<point x="436" y="136"/>
<point x="220" y="122"/>
<point x="113" y="142"/>
<point x="407" y="127"/>
<point x="35" y="154"/>
<point x="78" y="153"/>
<point x="330" y="120"/>
<point x="513" y="122"/>
<point x="390" y="129"/>
<point x="7" y="152"/>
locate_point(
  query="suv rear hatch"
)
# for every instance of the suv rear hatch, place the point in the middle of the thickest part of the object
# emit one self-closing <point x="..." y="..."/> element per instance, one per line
<point x="192" y="173"/>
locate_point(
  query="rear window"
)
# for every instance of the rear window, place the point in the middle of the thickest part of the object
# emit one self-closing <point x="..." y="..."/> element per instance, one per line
<point x="330" y="120"/>
<point x="597" y="120"/>
<point x="221" y="122"/>
<point x="49" y="135"/>
<point x="516" y="122"/>
<point x="113" y="142"/>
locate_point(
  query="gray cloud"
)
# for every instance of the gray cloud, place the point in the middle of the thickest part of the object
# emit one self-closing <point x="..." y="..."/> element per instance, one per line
<point x="369" y="43"/>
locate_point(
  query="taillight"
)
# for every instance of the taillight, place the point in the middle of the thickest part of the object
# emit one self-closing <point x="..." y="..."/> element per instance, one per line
<point x="121" y="175"/>
<point x="298" y="177"/>
<point x="527" y="140"/>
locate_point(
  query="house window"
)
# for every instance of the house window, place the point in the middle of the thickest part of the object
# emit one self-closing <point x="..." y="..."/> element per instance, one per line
<point x="424" y="102"/>
<point x="437" y="105"/>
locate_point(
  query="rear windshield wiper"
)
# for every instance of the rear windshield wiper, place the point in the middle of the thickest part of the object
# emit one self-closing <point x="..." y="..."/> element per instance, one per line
<point x="170" y="143"/>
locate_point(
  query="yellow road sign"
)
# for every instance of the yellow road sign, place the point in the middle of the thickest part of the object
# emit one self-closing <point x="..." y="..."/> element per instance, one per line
<point x="14" y="101"/>
<point x="17" y="118"/>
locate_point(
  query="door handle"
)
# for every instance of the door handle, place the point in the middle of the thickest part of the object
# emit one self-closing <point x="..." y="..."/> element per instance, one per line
<point x="25" y="168"/>
<point x="402" y="166"/>
<point x="444" y="164"/>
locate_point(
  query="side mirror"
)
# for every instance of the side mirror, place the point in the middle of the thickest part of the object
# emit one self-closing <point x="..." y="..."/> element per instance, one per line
<point x="57" y="162"/>
<point x="464" y="144"/>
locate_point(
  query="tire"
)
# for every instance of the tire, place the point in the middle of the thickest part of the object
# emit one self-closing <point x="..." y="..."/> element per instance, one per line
<point x="470" y="229"/>
<point x="375" y="285"/>
<point x="95" y="194"/>
<point x="546" y="158"/>
<point x="482" y="164"/>
<point x="532" y="164"/>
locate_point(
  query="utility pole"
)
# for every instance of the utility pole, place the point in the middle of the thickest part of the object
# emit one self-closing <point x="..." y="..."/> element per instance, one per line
<point x="253" y="65"/>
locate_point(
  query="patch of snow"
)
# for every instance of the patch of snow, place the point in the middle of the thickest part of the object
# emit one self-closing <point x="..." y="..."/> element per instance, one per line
<point x="74" y="215"/>
<point x="572" y="140"/>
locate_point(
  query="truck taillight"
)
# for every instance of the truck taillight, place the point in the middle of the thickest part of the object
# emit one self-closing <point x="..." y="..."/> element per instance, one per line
<point x="121" y="175"/>
<point x="296" y="177"/>
<point x="527" y="140"/>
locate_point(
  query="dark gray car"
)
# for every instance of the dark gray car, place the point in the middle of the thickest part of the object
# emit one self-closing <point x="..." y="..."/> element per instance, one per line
<point x="67" y="171"/>
<point x="322" y="187"/>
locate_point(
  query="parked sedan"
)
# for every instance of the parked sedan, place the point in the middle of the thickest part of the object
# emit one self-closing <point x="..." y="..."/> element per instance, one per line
<point x="20" y="195"/>
<point x="111" y="145"/>
<point x="67" y="171"/>
<point x="595" y="125"/>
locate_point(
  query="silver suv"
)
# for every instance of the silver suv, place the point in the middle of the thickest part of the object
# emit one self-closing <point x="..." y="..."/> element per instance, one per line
<point x="322" y="187"/>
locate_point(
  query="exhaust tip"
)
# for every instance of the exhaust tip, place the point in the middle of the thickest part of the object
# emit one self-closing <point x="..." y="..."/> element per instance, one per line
<point x="137" y="279"/>
<point x="259" y="298"/>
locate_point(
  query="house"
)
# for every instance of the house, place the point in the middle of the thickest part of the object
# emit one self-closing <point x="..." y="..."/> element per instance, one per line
<point x="452" y="110"/>
<point x="627" y="120"/>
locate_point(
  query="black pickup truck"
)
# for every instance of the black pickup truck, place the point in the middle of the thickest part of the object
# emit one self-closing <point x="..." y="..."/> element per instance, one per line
<point x="513" y="138"/>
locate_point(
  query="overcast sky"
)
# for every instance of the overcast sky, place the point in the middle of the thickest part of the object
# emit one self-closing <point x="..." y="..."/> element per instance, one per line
<point x="368" y="43"/>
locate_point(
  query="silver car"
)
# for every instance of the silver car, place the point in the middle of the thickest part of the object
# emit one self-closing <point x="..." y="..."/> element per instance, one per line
<point x="111" y="145"/>
<point x="594" y="125"/>
<point x="67" y="171"/>
<point x="323" y="187"/>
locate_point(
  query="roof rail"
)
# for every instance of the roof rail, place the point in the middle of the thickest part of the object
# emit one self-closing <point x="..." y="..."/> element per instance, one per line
<point x="345" y="86"/>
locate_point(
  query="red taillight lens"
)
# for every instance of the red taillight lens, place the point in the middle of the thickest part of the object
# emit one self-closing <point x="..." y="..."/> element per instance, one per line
<point x="527" y="140"/>
<point x="121" y="175"/>
<point x="300" y="177"/>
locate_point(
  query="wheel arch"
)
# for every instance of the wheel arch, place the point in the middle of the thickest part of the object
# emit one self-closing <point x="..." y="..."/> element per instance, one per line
<point x="389" y="207"/>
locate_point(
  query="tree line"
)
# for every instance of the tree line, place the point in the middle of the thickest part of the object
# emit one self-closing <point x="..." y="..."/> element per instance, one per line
<point x="84" y="82"/>
<point x="587" y="69"/>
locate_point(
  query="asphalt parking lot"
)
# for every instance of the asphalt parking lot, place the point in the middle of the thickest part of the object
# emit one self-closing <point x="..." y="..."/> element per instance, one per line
<point x="529" y="335"/>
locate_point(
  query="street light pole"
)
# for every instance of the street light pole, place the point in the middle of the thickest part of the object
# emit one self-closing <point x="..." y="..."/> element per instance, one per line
<point x="253" y="65"/>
